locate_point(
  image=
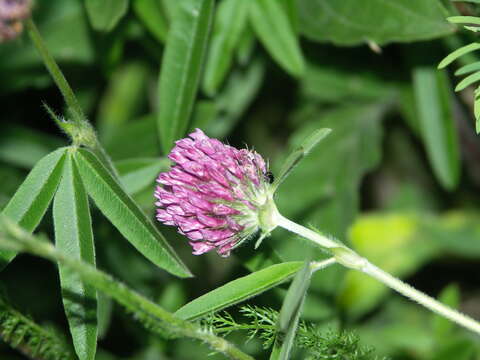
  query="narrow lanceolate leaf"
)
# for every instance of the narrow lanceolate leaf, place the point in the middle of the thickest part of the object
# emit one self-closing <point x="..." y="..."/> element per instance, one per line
<point x="105" y="14"/>
<point x="458" y="53"/>
<point x="298" y="154"/>
<point x="469" y="80"/>
<point x="151" y="13"/>
<point x="181" y="68"/>
<point x="230" y="21"/>
<point x="468" y="68"/>
<point x="126" y="215"/>
<point x="290" y="314"/>
<point x="436" y="123"/>
<point x="31" y="201"/>
<point x="464" y="20"/>
<point x="74" y="236"/>
<point x="239" y="290"/>
<point x="275" y="31"/>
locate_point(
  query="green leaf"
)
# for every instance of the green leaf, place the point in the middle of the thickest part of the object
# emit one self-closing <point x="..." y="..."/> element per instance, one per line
<point x="275" y="31"/>
<point x="22" y="67"/>
<point x="119" y="143"/>
<point x="151" y="13"/>
<point x="123" y="98"/>
<point x="297" y="155"/>
<point x="433" y="103"/>
<point x="24" y="147"/>
<point x="181" y="68"/>
<point x="464" y="20"/>
<point x="458" y="53"/>
<point x="105" y="14"/>
<point x="204" y="114"/>
<point x="289" y="316"/>
<point x="469" y="80"/>
<point x="74" y="237"/>
<point x="239" y="290"/>
<point x="387" y="241"/>
<point x="230" y="22"/>
<point x="31" y="201"/>
<point x="139" y="173"/>
<point x="125" y="214"/>
<point x="468" y="68"/>
<point x="238" y="94"/>
<point x="351" y="22"/>
<point x="442" y="327"/>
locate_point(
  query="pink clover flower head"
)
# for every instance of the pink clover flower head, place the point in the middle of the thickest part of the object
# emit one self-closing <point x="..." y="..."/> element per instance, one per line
<point x="213" y="193"/>
<point x="12" y="12"/>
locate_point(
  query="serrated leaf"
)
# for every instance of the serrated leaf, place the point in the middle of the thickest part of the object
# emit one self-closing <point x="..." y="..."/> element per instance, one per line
<point x="105" y="14"/>
<point x="230" y="21"/>
<point x="239" y="290"/>
<point x="31" y="201"/>
<point x="74" y="237"/>
<point x="151" y="13"/>
<point x="289" y="316"/>
<point x="458" y="53"/>
<point x="126" y="215"/>
<point x="433" y="103"/>
<point x="139" y="173"/>
<point x="181" y="68"/>
<point x="274" y="29"/>
<point x="351" y="22"/>
<point x="297" y="155"/>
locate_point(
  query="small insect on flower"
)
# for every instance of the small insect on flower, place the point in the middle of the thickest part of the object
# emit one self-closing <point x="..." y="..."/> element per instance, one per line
<point x="214" y="193"/>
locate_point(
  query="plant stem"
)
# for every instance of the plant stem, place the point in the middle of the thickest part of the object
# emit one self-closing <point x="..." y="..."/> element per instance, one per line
<point x="420" y="297"/>
<point x="55" y="71"/>
<point x="352" y="260"/>
<point x="317" y="238"/>
<point x="152" y="316"/>
<point x="82" y="132"/>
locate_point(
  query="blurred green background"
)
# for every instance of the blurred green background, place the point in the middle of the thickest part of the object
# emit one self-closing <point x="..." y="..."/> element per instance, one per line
<point x="398" y="178"/>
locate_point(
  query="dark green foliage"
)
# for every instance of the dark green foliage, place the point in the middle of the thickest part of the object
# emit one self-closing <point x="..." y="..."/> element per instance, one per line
<point x="31" y="339"/>
<point x="319" y="345"/>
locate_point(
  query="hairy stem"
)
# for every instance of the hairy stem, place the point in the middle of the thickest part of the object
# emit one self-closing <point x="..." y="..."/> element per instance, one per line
<point x="352" y="260"/>
<point x="81" y="131"/>
<point x="55" y="71"/>
<point x="150" y="314"/>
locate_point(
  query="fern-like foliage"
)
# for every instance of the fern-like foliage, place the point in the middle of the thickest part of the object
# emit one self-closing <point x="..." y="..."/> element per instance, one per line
<point x="330" y="345"/>
<point x="470" y="69"/>
<point x="34" y="341"/>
